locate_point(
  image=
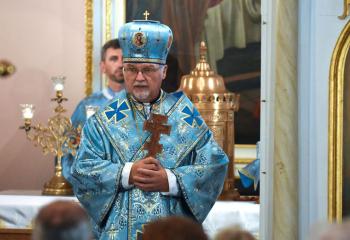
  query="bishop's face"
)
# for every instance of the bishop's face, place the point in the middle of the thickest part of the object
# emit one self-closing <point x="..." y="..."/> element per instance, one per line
<point x="143" y="80"/>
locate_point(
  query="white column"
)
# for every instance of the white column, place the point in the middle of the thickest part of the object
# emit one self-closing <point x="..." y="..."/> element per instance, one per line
<point x="279" y="121"/>
<point x="267" y="119"/>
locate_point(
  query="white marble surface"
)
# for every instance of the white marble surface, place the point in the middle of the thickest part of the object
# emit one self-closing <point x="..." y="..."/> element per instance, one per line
<point x="18" y="209"/>
<point x="285" y="173"/>
<point x="228" y="214"/>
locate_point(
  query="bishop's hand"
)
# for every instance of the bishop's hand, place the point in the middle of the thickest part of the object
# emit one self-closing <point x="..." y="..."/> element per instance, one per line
<point x="148" y="175"/>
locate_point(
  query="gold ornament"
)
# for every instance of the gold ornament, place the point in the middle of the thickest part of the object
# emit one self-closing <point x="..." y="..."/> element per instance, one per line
<point x="217" y="106"/>
<point x="58" y="137"/>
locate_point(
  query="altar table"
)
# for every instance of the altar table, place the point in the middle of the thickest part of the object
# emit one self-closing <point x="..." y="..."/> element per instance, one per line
<point x="18" y="209"/>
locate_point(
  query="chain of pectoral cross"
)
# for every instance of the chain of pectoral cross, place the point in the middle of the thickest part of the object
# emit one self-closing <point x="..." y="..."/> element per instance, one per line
<point x="156" y="125"/>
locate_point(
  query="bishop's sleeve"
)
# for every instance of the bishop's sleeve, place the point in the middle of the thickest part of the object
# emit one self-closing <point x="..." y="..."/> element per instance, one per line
<point x="77" y="118"/>
<point x="201" y="180"/>
<point x="79" y="115"/>
<point x="96" y="172"/>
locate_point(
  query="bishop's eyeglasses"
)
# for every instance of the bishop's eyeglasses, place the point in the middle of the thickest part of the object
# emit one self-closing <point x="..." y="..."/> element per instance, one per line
<point x="146" y="71"/>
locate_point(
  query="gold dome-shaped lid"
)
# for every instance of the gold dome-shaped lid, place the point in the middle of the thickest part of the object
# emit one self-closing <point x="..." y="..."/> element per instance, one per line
<point x="202" y="79"/>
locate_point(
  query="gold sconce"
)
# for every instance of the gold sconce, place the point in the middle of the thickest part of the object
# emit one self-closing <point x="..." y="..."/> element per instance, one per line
<point x="6" y="68"/>
<point x="58" y="137"/>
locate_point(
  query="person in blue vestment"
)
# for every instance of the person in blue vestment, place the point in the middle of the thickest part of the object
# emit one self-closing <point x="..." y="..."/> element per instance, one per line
<point x="111" y="65"/>
<point x="120" y="184"/>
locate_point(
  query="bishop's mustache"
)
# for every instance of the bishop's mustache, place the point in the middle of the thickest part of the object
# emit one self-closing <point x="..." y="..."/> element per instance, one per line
<point x="140" y="85"/>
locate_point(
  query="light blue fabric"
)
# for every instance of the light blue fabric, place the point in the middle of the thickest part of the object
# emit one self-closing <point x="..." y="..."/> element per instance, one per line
<point x="97" y="99"/>
<point x="251" y="173"/>
<point x="110" y="138"/>
<point x="145" y="41"/>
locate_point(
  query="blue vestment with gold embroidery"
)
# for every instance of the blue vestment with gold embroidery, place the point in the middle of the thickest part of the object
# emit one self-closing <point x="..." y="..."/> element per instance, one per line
<point x="97" y="99"/>
<point x="114" y="136"/>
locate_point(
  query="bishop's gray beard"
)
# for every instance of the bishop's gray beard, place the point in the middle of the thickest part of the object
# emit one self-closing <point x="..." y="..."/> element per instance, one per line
<point x="142" y="96"/>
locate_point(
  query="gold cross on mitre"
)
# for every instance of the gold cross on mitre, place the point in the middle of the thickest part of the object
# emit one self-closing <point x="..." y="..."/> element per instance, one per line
<point x="146" y="14"/>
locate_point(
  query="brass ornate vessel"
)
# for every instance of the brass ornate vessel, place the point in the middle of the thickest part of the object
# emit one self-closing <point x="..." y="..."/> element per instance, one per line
<point x="217" y="106"/>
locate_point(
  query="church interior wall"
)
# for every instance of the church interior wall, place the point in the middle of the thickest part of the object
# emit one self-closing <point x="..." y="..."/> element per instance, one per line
<point x="319" y="29"/>
<point x="42" y="39"/>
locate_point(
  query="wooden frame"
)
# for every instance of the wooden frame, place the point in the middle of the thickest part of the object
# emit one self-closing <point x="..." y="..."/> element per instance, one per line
<point x="15" y="234"/>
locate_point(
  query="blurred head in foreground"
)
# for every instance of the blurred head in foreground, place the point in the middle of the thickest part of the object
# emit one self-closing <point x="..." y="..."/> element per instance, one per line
<point x="336" y="231"/>
<point x="62" y="220"/>
<point x="234" y="233"/>
<point x="174" y="228"/>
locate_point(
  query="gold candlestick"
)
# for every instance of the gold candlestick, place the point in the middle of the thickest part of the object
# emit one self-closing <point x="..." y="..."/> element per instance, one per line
<point x="58" y="137"/>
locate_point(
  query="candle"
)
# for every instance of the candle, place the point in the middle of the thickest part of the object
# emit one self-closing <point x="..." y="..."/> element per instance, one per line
<point x="58" y="82"/>
<point x="27" y="111"/>
<point x="90" y="110"/>
<point x="59" y="87"/>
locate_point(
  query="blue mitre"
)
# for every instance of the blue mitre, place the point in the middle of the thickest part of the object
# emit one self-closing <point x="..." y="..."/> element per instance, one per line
<point x="145" y="41"/>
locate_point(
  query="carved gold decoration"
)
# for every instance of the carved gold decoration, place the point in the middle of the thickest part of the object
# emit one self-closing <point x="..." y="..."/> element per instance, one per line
<point x="108" y="33"/>
<point x="58" y="137"/>
<point x="346" y="9"/>
<point x="89" y="46"/>
<point x="89" y="31"/>
<point x="335" y="140"/>
<point x="6" y="68"/>
<point x="217" y="106"/>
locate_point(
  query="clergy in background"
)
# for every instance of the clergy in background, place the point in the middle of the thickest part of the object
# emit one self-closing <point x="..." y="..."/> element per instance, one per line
<point x="111" y="65"/>
<point x="147" y="154"/>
